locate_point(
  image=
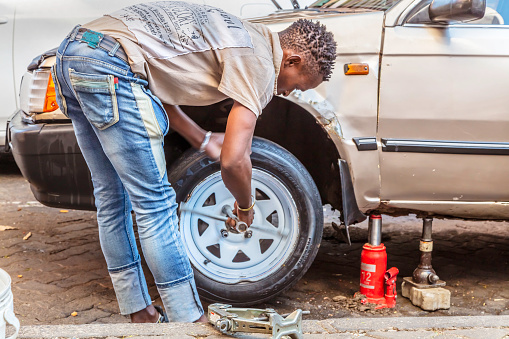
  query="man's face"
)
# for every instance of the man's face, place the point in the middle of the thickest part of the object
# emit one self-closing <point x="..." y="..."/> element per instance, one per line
<point x="292" y="75"/>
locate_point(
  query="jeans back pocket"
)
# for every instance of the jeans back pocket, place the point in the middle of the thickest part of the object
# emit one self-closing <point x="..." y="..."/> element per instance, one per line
<point x="96" y="96"/>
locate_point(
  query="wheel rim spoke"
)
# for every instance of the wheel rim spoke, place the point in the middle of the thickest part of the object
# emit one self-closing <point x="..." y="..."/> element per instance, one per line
<point x="267" y="229"/>
<point x="221" y="192"/>
<point x="253" y="251"/>
<point x="228" y="252"/>
<point x="266" y="207"/>
<point x="209" y="236"/>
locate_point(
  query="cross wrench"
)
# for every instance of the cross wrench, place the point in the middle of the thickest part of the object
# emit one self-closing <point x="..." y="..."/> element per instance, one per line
<point x="183" y="208"/>
<point x="240" y="226"/>
<point x="248" y="233"/>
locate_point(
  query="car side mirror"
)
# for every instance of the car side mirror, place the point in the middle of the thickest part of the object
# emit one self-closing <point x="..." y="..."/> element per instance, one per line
<point x="456" y="10"/>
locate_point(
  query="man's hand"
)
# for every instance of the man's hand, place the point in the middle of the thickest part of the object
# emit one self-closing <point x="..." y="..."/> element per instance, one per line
<point x="246" y="217"/>
<point x="213" y="148"/>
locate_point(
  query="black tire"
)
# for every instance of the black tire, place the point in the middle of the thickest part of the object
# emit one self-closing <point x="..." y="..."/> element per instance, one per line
<point x="193" y="167"/>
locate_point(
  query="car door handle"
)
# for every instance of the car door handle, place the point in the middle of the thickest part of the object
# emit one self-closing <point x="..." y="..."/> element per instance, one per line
<point x="3" y="20"/>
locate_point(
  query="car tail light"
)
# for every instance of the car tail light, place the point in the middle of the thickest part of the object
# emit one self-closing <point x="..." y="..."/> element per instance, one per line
<point x="42" y="97"/>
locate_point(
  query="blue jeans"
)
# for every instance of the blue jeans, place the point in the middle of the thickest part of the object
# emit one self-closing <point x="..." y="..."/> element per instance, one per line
<point x="120" y="126"/>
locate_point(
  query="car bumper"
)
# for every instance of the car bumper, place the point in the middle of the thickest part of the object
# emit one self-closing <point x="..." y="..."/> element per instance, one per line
<point x="50" y="159"/>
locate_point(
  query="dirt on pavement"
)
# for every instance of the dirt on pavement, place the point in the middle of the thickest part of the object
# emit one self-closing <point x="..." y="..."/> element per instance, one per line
<point x="60" y="269"/>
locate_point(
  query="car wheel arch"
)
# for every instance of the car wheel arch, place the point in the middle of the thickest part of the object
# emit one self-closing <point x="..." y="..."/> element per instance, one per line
<point x="283" y="122"/>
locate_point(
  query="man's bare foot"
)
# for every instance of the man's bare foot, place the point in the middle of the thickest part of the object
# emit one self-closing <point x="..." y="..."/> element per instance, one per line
<point x="146" y="315"/>
<point x="203" y="319"/>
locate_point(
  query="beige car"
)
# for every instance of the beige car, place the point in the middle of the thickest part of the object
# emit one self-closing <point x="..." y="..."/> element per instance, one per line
<point x="413" y="120"/>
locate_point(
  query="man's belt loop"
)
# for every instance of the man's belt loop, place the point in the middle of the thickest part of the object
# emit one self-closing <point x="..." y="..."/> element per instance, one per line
<point x="74" y="32"/>
<point x="114" y="49"/>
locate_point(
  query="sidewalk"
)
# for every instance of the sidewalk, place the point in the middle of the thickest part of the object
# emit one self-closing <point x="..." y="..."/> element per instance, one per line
<point x="475" y="327"/>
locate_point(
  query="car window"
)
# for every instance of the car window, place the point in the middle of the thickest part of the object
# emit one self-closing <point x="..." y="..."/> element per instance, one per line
<point x="497" y="13"/>
<point x="375" y="5"/>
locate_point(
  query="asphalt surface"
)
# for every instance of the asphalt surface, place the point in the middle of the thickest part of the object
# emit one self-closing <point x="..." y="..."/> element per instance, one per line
<point x="60" y="269"/>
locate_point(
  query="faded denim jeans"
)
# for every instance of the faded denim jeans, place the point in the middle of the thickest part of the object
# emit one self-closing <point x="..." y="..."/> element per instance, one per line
<point x="120" y="126"/>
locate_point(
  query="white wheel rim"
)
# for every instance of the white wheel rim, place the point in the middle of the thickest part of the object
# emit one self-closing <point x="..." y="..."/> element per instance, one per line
<point x="235" y="258"/>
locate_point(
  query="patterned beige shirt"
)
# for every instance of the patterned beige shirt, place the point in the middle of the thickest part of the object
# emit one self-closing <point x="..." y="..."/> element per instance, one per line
<point x="197" y="55"/>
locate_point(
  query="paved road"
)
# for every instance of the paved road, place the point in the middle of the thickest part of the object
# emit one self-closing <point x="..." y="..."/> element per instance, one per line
<point x="60" y="268"/>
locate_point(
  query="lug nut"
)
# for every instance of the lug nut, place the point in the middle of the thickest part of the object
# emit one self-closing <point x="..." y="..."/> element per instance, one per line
<point x="224" y="233"/>
<point x="433" y="278"/>
<point x="248" y="234"/>
<point x="242" y="226"/>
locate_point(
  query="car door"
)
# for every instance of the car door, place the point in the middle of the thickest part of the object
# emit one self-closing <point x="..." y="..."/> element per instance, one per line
<point x="444" y="111"/>
<point x="7" y="97"/>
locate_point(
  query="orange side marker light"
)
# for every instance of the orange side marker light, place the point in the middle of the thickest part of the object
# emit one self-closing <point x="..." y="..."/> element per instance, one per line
<point x="356" y="69"/>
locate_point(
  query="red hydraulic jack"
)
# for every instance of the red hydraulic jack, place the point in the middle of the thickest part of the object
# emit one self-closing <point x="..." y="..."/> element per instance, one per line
<point x="377" y="283"/>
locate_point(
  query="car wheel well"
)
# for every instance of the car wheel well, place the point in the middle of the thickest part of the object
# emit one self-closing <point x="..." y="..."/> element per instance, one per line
<point x="284" y="123"/>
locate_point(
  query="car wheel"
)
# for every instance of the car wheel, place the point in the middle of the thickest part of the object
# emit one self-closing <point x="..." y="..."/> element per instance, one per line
<point x="286" y="231"/>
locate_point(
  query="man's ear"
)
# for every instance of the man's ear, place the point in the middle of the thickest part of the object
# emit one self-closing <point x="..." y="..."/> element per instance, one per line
<point x="293" y="60"/>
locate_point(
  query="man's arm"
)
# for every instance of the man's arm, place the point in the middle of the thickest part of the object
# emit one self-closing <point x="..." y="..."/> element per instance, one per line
<point x="235" y="151"/>
<point x="194" y="134"/>
<point x="236" y="166"/>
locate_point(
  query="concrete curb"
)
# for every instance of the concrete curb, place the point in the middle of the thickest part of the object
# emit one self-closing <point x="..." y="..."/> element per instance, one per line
<point x="316" y="327"/>
<point x="417" y="323"/>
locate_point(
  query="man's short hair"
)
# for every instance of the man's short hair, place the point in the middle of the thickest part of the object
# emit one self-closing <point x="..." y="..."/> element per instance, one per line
<point x="312" y="39"/>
